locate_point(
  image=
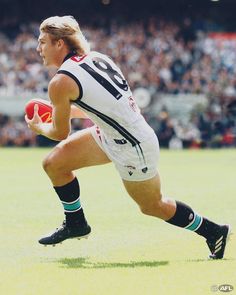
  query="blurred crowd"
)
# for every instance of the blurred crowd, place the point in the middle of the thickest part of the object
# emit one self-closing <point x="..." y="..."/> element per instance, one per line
<point x="158" y="55"/>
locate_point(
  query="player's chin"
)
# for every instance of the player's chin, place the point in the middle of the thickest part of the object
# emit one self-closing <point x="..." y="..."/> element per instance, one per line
<point x="45" y="63"/>
<point x="48" y="64"/>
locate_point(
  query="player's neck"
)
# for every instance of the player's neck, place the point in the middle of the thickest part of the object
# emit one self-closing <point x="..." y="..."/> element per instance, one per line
<point x="69" y="55"/>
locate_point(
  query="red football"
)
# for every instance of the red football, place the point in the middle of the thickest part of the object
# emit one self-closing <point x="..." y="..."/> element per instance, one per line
<point x="45" y="109"/>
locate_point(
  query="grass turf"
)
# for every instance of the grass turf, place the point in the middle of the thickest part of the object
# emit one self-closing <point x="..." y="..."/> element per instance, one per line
<point x="127" y="252"/>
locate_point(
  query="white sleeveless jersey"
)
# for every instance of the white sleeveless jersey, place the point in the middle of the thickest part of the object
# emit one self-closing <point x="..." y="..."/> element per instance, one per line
<point x="106" y="98"/>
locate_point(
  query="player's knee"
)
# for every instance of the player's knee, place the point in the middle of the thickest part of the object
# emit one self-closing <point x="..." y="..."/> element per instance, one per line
<point x="152" y="209"/>
<point x="145" y="210"/>
<point x="48" y="164"/>
<point x="148" y="210"/>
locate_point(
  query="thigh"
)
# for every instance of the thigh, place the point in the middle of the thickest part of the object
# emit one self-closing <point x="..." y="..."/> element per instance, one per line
<point x="77" y="151"/>
<point x="147" y="192"/>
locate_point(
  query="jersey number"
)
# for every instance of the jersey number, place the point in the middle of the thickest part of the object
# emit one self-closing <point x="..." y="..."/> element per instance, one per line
<point x="116" y="77"/>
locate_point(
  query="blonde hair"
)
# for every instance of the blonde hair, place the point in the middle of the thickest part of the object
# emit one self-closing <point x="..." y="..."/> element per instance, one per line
<point x="67" y="29"/>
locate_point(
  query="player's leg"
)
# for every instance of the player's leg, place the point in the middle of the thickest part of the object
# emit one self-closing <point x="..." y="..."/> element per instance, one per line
<point x="77" y="151"/>
<point x="147" y="194"/>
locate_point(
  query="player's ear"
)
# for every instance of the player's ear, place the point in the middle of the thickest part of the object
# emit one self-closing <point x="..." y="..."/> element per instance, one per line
<point x="60" y="43"/>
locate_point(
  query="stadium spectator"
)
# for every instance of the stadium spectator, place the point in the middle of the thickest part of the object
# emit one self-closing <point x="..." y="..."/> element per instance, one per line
<point x="16" y="133"/>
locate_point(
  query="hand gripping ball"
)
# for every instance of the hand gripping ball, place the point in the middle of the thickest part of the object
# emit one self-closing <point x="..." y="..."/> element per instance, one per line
<point x="44" y="111"/>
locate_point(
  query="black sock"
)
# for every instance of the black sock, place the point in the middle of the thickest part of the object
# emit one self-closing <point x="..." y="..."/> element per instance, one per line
<point x="185" y="217"/>
<point x="69" y="195"/>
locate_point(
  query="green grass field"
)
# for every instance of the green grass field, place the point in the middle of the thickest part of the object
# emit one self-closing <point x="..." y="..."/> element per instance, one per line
<point x="127" y="253"/>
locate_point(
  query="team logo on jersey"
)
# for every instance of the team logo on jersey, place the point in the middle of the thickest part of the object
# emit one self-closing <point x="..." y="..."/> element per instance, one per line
<point x="78" y="58"/>
<point x="133" y="104"/>
<point x="131" y="169"/>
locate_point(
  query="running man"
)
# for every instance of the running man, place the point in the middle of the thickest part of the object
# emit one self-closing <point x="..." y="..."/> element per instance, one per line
<point x="93" y="83"/>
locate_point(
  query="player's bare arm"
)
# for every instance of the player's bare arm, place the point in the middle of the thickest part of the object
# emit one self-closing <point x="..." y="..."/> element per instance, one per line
<point x="62" y="90"/>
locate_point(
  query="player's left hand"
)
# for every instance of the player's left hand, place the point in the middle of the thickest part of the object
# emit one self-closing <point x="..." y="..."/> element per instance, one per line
<point x="35" y="123"/>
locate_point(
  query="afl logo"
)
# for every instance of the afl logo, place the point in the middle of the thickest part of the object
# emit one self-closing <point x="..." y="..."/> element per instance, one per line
<point x="225" y="288"/>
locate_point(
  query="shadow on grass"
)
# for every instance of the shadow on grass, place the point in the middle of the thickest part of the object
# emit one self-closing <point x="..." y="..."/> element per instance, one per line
<point x="210" y="260"/>
<point x="86" y="264"/>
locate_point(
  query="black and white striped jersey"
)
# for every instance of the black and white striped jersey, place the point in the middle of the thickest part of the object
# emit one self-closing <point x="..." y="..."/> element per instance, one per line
<point x="106" y="98"/>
